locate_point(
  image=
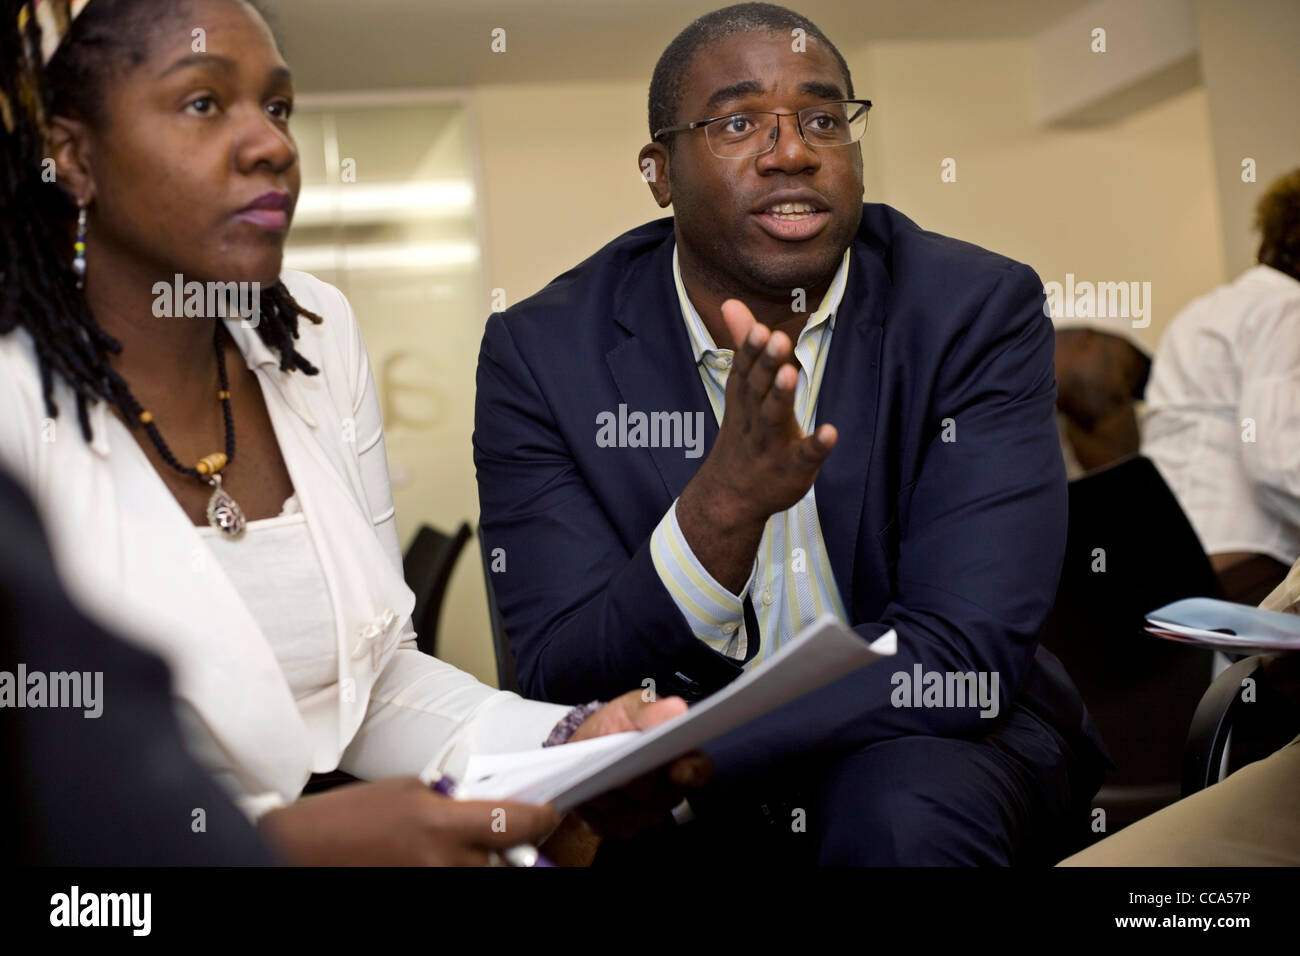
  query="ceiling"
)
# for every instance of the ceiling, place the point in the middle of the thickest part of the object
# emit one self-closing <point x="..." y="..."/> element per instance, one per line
<point x="336" y="45"/>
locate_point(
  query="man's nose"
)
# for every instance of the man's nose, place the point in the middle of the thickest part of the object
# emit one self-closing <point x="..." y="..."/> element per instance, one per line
<point x="790" y="153"/>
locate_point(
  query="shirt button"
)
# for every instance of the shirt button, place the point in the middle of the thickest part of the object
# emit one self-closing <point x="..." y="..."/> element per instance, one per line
<point x="729" y="628"/>
<point x="767" y="598"/>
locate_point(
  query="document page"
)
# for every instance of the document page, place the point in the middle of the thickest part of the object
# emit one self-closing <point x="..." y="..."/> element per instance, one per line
<point x="572" y="774"/>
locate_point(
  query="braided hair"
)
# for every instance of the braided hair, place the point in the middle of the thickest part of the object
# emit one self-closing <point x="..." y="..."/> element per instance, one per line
<point x="38" y="290"/>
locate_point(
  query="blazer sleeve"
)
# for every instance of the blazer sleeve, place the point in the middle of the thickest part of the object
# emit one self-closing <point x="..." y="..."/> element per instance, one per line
<point x="982" y="540"/>
<point x="364" y="425"/>
<point x="586" y="613"/>
<point x="423" y="714"/>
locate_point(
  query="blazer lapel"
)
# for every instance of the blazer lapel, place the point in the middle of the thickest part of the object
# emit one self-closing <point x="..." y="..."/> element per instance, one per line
<point x="371" y="604"/>
<point x="849" y="399"/>
<point x="654" y="368"/>
<point x="166" y="590"/>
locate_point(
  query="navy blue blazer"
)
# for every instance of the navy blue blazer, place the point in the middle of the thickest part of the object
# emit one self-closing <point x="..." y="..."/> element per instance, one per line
<point x="956" y="544"/>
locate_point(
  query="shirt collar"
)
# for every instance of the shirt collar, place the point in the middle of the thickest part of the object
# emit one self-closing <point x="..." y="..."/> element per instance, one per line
<point x="702" y="344"/>
<point x="258" y="356"/>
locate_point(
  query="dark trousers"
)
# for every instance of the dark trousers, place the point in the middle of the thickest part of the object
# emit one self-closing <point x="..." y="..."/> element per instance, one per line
<point x="1016" y="796"/>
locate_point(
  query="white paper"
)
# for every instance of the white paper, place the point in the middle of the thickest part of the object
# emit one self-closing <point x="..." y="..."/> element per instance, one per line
<point x="570" y="775"/>
<point x="1204" y="620"/>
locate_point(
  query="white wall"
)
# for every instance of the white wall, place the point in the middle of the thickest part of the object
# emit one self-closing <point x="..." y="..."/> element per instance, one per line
<point x="1250" y="57"/>
<point x="1133" y="201"/>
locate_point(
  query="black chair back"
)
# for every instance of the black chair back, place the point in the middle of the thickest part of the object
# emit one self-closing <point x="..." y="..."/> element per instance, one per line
<point x="1140" y="690"/>
<point x="427" y="567"/>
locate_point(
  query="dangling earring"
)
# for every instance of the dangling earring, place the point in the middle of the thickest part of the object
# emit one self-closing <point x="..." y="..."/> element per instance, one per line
<point x="79" y="249"/>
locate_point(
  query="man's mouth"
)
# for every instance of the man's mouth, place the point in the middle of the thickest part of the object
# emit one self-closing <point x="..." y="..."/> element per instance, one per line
<point x="791" y="211"/>
<point x="792" y="221"/>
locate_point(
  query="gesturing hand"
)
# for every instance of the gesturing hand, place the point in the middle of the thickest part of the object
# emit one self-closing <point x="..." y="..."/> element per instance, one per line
<point x="761" y="463"/>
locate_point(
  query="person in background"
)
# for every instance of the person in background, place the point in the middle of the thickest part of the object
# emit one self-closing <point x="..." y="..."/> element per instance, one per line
<point x="1222" y="419"/>
<point x="222" y="495"/>
<point x="1101" y="376"/>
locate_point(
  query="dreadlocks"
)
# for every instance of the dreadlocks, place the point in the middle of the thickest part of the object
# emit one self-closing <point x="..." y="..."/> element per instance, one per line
<point x="38" y="290"/>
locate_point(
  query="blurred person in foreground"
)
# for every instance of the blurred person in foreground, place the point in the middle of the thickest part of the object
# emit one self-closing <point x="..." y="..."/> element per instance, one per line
<point x="94" y="784"/>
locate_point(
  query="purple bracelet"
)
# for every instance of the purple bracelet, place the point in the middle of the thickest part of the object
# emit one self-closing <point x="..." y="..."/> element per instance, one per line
<point x="570" y="722"/>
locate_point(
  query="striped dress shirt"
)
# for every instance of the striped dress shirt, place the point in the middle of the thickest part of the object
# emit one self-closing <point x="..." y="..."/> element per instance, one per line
<point x="791" y="584"/>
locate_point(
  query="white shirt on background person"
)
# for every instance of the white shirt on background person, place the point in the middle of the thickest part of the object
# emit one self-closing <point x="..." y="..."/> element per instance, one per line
<point x="1222" y="420"/>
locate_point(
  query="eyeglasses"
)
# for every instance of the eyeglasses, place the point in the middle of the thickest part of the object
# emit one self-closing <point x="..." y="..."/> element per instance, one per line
<point x="753" y="133"/>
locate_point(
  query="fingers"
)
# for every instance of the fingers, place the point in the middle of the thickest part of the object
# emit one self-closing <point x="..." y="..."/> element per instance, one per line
<point x="748" y="350"/>
<point x="494" y="825"/>
<point x="774" y="356"/>
<point x="692" y="771"/>
<point x="759" y="352"/>
<point x="651" y="715"/>
<point x="637" y="805"/>
<point x="777" y="407"/>
<point x="467" y="856"/>
<point x="614" y="718"/>
<point x="630" y="711"/>
<point x="813" y="449"/>
<point x="740" y="322"/>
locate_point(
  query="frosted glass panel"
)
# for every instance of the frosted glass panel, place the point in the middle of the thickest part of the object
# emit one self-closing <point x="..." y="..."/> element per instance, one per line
<point x="388" y="214"/>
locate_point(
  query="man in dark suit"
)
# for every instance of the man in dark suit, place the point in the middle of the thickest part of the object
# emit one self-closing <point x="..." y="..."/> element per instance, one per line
<point x="890" y="458"/>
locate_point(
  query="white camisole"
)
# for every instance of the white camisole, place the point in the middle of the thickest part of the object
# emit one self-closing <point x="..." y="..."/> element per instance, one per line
<point x="275" y="569"/>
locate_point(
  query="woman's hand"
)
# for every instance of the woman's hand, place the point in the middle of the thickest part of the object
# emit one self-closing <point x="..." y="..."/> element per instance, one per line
<point x="399" y="822"/>
<point x="647" y="800"/>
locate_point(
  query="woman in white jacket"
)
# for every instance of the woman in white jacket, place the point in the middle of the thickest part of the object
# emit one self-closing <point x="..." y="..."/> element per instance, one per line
<point x="220" y="491"/>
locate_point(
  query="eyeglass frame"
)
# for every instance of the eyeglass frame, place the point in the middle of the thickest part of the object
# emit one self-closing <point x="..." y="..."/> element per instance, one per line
<point x="798" y="124"/>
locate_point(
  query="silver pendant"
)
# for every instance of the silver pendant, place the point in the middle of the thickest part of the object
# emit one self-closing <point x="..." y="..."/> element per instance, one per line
<point x="224" y="512"/>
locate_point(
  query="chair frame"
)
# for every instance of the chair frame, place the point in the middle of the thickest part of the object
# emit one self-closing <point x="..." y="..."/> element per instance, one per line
<point x="1211" y="727"/>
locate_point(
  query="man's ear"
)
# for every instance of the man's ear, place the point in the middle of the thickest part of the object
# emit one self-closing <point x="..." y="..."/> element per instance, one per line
<point x="70" y="150"/>
<point x="654" y="170"/>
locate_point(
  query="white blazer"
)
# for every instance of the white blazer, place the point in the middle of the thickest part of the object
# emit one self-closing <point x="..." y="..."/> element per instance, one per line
<point x="129" y="554"/>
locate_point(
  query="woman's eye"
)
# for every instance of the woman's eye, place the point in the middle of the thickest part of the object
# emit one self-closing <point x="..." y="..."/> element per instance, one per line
<point x="737" y="124"/>
<point x="203" y="106"/>
<point x="280" y="109"/>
